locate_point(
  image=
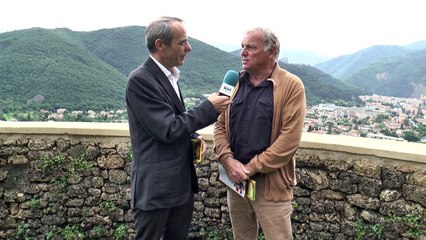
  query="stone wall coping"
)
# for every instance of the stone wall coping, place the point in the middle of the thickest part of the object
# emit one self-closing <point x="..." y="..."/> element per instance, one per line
<point x="414" y="152"/>
<point x="66" y="128"/>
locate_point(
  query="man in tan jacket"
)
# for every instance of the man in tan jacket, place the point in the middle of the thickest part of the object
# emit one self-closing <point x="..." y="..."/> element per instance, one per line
<point x="258" y="136"/>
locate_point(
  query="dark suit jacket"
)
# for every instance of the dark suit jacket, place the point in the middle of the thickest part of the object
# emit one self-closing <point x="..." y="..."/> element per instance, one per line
<point x="163" y="172"/>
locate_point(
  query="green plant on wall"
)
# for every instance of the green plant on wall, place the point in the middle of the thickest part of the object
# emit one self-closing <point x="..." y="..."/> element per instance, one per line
<point x="34" y="202"/>
<point x="121" y="231"/>
<point x="21" y="231"/>
<point x="377" y="230"/>
<point x="71" y="233"/>
<point x="295" y="206"/>
<point x="62" y="180"/>
<point x="210" y="235"/>
<point x="108" y="205"/>
<point x="81" y="164"/>
<point x="78" y="164"/>
<point x="411" y="221"/>
<point x="48" y="234"/>
<point x="97" y="231"/>
<point x="363" y="228"/>
<point x="49" y="163"/>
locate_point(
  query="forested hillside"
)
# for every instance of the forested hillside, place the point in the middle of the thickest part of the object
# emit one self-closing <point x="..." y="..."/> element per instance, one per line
<point x="54" y="65"/>
<point x="397" y="71"/>
<point x="344" y="66"/>
<point x="60" y="68"/>
<point x="322" y="87"/>
<point x="403" y="76"/>
<point x="125" y="49"/>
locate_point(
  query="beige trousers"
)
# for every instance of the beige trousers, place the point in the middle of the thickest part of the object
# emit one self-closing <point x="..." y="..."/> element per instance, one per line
<point x="246" y="216"/>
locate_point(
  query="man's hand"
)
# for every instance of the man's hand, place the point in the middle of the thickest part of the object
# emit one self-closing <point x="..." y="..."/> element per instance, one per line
<point x="247" y="170"/>
<point x="234" y="170"/>
<point x="220" y="103"/>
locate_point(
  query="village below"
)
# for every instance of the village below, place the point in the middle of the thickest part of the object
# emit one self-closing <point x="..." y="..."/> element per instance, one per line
<point x="393" y="118"/>
<point x="382" y="117"/>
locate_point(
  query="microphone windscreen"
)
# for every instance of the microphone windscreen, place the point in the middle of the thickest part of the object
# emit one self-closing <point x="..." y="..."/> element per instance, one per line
<point x="229" y="81"/>
<point x="231" y="78"/>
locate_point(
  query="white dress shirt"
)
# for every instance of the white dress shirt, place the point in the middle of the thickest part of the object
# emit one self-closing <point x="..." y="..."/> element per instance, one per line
<point x="172" y="76"/>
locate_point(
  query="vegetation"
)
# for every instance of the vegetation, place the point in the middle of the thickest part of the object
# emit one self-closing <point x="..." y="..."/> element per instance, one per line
<point x="323" y="88"/>
<point x="21" y="231"/>
<point x="49" y="69"/>
<point x="121" y="232"/>
<point x="40" y="69"/>
<point x="364" y="228"/>
<point x="401" y="76"/>
<point x="108" y="205"/>
<point x="384" y="70"/>
<point x="412" y="223"/>
<point x="34" y="202"/>
<point x="344" y="66"/>
<point x="51" y="163"/>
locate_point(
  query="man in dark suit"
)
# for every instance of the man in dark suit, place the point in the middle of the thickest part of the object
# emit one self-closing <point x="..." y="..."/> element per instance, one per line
<point x="163" y="179"/>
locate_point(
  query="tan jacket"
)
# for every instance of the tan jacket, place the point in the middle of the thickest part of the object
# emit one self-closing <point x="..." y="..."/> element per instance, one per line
<point x="277" y="161"/>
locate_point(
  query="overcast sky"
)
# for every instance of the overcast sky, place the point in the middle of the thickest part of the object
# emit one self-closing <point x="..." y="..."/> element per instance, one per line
<point x="328" y="27"/>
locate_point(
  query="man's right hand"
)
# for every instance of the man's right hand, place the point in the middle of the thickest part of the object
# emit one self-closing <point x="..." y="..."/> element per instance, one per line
<point x="234" y="170"/>
<point x="220" y="103"/>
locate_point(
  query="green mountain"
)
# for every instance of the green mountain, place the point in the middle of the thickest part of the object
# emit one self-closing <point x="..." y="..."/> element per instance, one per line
<point x="322" y="87"/>
<point x="55" y="64"/>
<point x="402" y="76"/>
<point x="123" y="48"/>
<point x="398" y="71"/>
<point x="344" y="66"/>
<point x="60" y="68"/>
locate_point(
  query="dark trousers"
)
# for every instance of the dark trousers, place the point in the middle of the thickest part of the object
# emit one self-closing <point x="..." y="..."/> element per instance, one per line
<point x="166" y="224"/>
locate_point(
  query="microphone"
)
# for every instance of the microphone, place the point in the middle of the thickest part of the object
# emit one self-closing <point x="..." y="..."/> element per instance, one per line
<point x="229" y="81"/>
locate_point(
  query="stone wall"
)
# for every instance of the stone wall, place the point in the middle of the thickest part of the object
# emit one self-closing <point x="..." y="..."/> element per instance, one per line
<point x="346" y="196"/>
<point x="76" y="186"/>
<point x="64" y="186"/>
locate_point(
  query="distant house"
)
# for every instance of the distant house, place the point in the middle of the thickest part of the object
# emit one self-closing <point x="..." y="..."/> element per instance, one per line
<point x="381" y="136"/>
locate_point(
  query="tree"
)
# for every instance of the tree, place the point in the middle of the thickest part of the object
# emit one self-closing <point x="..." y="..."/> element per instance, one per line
<point x="411" y="136"/>
<point x="330" y="125"/>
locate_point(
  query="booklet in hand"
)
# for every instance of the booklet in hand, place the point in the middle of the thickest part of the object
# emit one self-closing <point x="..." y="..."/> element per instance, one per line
<point x="244" y="189"/>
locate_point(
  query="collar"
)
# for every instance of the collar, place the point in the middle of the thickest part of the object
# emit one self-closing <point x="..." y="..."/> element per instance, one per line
<point x="244" y="75"/>
<point x="174" y="75"/>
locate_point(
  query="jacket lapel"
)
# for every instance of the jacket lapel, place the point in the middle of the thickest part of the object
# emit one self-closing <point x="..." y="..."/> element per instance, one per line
<point x="167" y="86"/>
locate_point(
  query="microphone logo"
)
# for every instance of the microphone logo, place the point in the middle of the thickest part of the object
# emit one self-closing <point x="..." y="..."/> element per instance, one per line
<point x="226" y="89"/>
